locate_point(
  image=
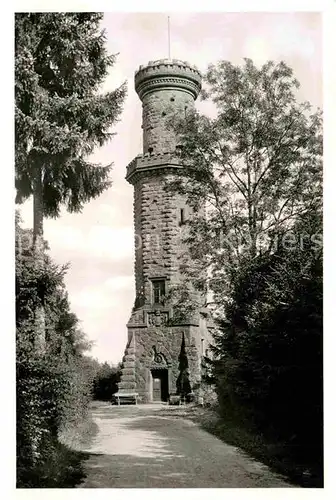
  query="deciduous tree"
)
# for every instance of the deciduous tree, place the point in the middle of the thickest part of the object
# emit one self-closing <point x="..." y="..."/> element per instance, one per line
<point x="256" y="166"/>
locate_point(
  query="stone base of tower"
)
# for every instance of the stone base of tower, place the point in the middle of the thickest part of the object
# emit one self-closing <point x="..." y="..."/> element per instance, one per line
<point x="127" y="383"/>
<point x="152" y="369"/>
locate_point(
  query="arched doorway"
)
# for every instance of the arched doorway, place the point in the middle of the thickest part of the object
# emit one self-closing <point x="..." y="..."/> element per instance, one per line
<point x="160" y="391"/>
<point x="159" y="376"/>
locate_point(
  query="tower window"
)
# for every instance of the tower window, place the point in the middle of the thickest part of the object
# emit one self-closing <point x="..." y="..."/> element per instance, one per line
<point x="150" y="150"/>
<point x="178" y="150"/>
<point x="172" y="99"/>
<point x="159" y="291"/>
<point x="178" y="147"/>
<point x="164" y="113"/>
<point x="182" y="217"/>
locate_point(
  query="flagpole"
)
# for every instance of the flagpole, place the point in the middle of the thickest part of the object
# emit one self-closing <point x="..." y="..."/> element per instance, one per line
<point x="168" y="37"/>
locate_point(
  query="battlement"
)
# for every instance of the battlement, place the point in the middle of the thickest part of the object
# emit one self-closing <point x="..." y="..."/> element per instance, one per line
<point x="159" y="64"/>
<point x="150" y="162"/>
<point x="167" y="73"/>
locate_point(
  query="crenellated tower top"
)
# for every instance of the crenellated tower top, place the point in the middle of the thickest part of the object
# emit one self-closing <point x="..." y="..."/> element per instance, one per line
<point x="166" y="87"/>
<point x="167" y="74"/>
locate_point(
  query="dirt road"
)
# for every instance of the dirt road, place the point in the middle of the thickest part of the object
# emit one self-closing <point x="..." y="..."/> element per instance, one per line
<point x="140" y="447"/>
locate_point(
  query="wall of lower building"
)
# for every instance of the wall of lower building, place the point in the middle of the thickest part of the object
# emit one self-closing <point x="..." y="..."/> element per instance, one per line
<point x="167" y="341"/>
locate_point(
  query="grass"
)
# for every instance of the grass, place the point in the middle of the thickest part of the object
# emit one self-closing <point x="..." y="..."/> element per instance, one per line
<point x="79" y="435"/>
<point x="277" y="456"/>
<point x="62" y="469"/>
<point x="63" y="464"/>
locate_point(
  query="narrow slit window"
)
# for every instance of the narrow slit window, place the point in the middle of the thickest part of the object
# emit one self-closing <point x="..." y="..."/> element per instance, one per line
<point x="182" y="216"/>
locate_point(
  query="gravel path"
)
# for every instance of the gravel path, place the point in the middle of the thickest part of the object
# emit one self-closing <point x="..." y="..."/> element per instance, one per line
<point x="138" y="448"/>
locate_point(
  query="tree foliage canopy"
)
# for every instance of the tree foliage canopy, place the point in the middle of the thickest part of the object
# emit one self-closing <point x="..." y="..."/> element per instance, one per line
<point x="61" y="115"/>
<point x="183" y="383"/>
<point x="253" y="174"/>
<point x="256" y="166"/>
<point x="53" y="389"/>
<point x="106" y="380"/>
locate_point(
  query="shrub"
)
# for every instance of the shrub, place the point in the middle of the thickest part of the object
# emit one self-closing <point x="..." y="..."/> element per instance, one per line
<point x="52" y="388"/>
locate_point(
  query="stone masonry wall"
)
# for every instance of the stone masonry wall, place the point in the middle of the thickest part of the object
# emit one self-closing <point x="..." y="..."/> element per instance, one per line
<point x="166" y="341"/>
<point x="157" y="107"/>
<point x="158" y="234"/>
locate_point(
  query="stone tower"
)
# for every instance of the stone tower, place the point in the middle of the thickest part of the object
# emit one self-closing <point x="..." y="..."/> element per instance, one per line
<point x="150" y="363"/>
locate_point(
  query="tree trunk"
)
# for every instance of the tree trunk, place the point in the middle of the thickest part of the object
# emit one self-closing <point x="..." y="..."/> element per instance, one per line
<point x="18" y="240"/>
<point x="38" y="249"/>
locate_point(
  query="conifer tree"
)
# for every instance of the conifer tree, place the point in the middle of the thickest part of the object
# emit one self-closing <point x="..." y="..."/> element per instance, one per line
<point x="182" y="383"/>
<point x="61" y="116"/>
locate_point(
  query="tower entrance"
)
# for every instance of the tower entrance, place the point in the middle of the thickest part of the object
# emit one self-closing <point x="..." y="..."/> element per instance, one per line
<point x="159" y="384"/>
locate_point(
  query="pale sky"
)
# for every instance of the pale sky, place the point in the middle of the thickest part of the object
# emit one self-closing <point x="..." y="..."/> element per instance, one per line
<point x="99" y="241"/>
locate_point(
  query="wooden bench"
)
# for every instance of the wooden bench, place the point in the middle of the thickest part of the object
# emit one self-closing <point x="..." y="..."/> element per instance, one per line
<point x="126" y="398"/>
<point x="174" y="399"/>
